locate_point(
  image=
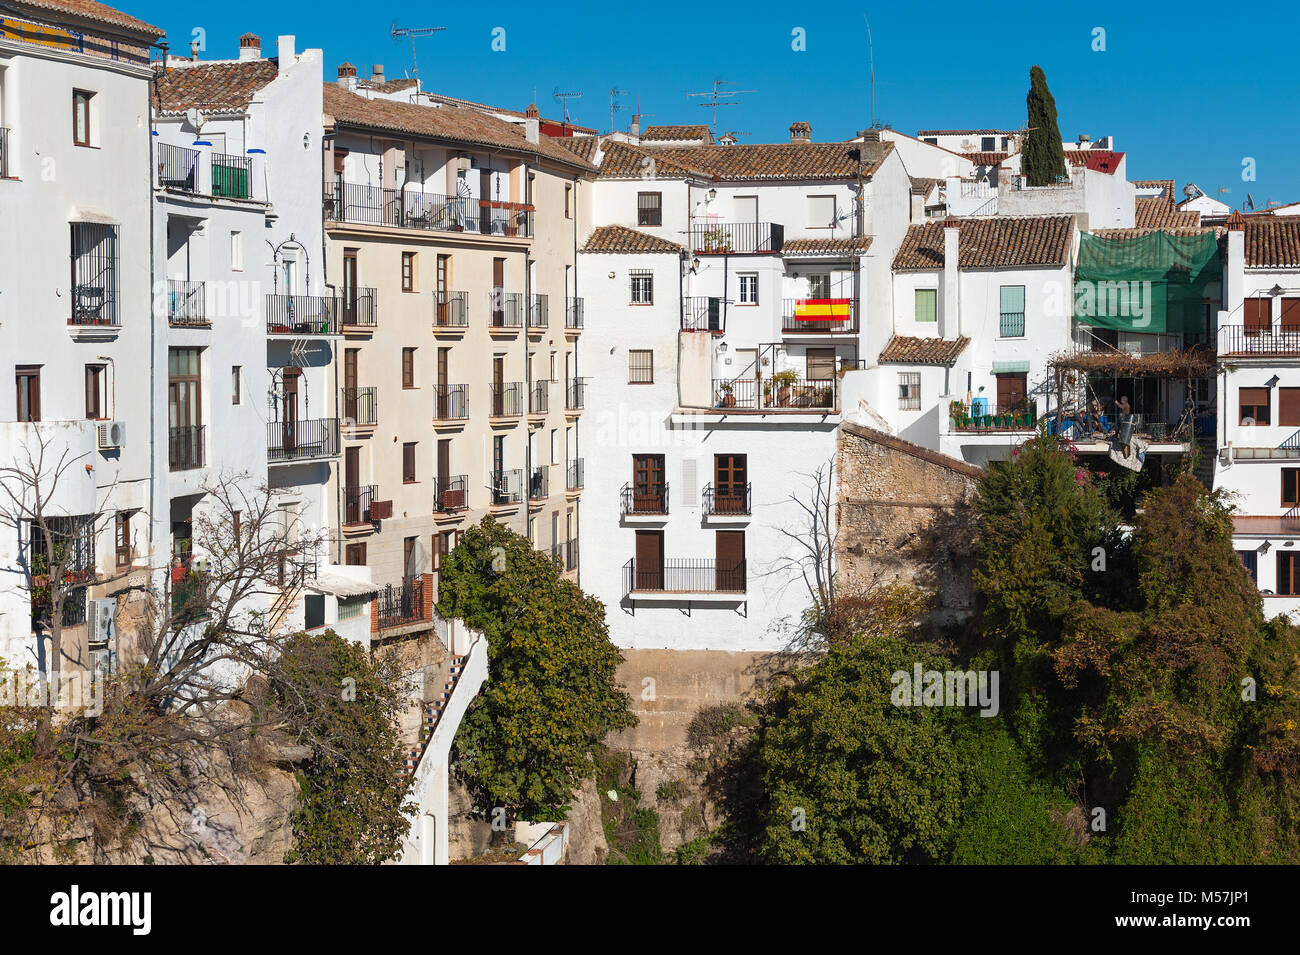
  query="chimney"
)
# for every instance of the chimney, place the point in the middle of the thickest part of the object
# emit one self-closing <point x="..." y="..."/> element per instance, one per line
<point x="1234" y="270"/>
<point x="533" y="130"/>
<point x="532" y="112"/>
<point x="377" y="73"/>
<point x="194" y="50"/>
<point x="284" y="48"/>
<point x="949" y="315"/>
<point x="250" y="47"/>
<point x="635" y="128"/>
<point x="800" y="132"/>
<point x="348" y="76"/>
<point x="870" y="135"/>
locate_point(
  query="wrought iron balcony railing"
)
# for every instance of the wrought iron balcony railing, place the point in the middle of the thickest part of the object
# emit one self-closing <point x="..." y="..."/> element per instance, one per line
<point x="185" y="305"/>
<point x="185" y="447"/>
<point x="450" y="402"/>
<point x="507" y="399"/>
<point x="507" y="486"/>
<point x="716" y="238"/>
<point x="649" y="499"/>
<point x="574" y="478"/>
<point x="684" y="576"/>
<point x="573" y="313"/>
<point x="726" y="499"/>
<point x="450" y="494"/>
<point x="360" y="407"/>
<point x="450" y="309"/>
<point x="302" y="440"/>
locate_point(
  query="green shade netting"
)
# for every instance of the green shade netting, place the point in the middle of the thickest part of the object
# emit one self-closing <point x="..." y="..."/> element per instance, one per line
<point x="1148" y="283"/>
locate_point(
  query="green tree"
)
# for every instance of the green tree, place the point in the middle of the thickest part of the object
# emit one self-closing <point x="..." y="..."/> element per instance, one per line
<point x="1042" y="155"/>
<point x="531" y="735"/>
<point x="345" y="708"/>
<point x="851" y="777"/>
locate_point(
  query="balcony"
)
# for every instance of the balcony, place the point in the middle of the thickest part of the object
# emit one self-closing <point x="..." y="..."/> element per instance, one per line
<point x="506" y="310"/>
<point x="360" y="407"/>
<point x="231" y="176"/>
<point x="574" y="478"/>
<point x="507" y="487"/>
<point x="313" y="439"/>
<point x="539" y="398"/>
<point x="410" y="208"/>
<point x="819" y="316"/>
<point x="185" y="304"/>
<point x="178" y="168"/>
<point x="573" y="314"/>
<point x="772" y="394"/>
<point x="226" y="176"/>
<point x="539" y="483"/>
<point x="701" y="313"/>
<point x="539" y="312"/>
<point x="302" y="315"/>
<point x="185" y="447"/>
<point x="726" y="500"/>
<point x="575" y="395"/>
<point x="644" y="500"/>
<point x="357" y="311"/>
<point x="403" y="604"/>
<point x="507" y="399"/>
<point x="356" y="504"/>
<point x="1265" y="341"/>
<point x="450" y="402"/>
<point x="450" y="494"/>
<point x="736" y="238"/>
<point x="568" y="555"/>
<point x="684" y="576"/>
<point x="450" y="311"/>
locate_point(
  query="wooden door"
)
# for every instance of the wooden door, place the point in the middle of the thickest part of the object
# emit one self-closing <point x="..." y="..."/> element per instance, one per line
<point x="648" y="484"/>
<point x="730" y="561"/>
<point x="498" y="292"/>
<point x="499" y="385"/>
<point x="1011" y="393"/>
<point x="443" y="284"/>
<point x="349" y="288"/>
<point x="729" y="480"/>
<point x="648" y="569"/>
<point x="289" y="408"/>
<point x="350" y="400"/>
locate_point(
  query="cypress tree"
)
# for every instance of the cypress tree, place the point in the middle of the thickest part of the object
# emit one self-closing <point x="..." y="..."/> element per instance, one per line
<point x="1043" y="156"/>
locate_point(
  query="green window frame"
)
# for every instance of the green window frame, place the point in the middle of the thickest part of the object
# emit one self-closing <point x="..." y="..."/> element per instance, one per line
<point x="926" y="305"/>
<point x="1011" y="320"/>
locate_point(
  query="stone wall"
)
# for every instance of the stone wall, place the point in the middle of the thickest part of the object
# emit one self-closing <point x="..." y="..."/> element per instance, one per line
<point x="904" y="515"/>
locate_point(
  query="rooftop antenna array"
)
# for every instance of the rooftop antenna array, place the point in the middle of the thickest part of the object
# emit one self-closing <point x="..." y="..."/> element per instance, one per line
<point x="614" y="105"/>
<point x="720" y="97"/>
<point x="563" y="100"/>
<point x="412" y="32"/>
<point x="871" y="62"/>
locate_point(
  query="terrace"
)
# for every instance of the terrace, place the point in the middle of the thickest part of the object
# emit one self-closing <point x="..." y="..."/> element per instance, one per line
<point x="407" y="207"/>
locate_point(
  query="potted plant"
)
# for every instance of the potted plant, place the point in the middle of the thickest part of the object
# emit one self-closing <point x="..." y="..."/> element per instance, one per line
<point x="785" y="380"/>
<point x="728" y="399"/>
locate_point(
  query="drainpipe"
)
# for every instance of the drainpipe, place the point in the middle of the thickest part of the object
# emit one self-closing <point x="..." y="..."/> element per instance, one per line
<point x="153" y="334"/>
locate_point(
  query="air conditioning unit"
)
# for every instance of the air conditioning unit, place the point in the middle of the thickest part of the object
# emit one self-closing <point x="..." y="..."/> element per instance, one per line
<point x="100" y="627"/>
<point x="112" y="434"/>
<point x="462" y="163"/>
<point x="102" y="662"/>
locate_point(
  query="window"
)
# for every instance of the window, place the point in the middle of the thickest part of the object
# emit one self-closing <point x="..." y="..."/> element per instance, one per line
<point x="94" y="274"/>
<point x="408" y="462"/>
<point x="1258" y="315"/>
<point x="1250" y="560"/>
<point x="408" y="367"/>
<point x="122" y="538"/>
<point x="1288" y="406"/>
<point x="28" y="378"/>
<point x="988" y="144"/>
<point x="932" y="140"/>
<point x="236" y="251"/>
<point x="443" y="544"/>
<point x="81" y="117"/>
<point x="1288" y="574"/>
<point x="926" y="299"/>
<point x="643" y="286"/>
<point x="748" y="288"/>
<point x="649" y="208"/>
<point x="821" y="364"/>
<point x="1291" y="314"/>
<point x="909" y="391"/>
<point x="1290" y="487"/>
<point x="568" y="202"/>
<point x="1253" y="404"/>
<point x="640" y="367"/>
<point x="821" y="212"/>
<point x="184" y="420"/>
<point x="1012" y="321"/>
<point x="408" y="557"/>
<point x="819" y="285"/>
<point x="350" y="607"/>
<point x="236" y="374"/>
<point x="354" y="555"/>
<point x="408" y="271"/>
<point x="94" y="391"/>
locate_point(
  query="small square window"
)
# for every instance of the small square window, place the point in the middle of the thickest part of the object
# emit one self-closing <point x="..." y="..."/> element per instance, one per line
<point x="925" y="304"/>
<point x="640" y="367"/>
<point x="643" y="286"/>
<point x="649" y="208"/>
<point x="408" y="271"/>
<point x="748" y="288"/>
<point x="909" y="391"/>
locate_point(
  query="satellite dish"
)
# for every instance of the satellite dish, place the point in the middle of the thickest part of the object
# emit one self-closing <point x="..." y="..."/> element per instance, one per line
<point x="194" y="118"/>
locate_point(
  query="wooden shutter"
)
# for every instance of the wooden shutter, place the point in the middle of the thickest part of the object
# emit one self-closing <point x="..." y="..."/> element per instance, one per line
<point x="730" y="560"/>
<point x="649" y="566"/>
<point x="1288" y="406"/>
<point x="1011" y="392"/>
<point x="1258" y="312"/>
<point x="821" y="364"/>
<point x="1291" y="314"/>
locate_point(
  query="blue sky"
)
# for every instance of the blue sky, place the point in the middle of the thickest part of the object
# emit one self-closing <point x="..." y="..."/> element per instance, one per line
<point x="1188" y="91"/>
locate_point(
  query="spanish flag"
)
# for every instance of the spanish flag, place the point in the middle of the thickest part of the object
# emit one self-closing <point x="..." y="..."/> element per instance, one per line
<point x="822" y="310"/>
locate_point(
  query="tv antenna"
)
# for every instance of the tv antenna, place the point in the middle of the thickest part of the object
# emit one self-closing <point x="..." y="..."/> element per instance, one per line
<point x="871" y="61"/>
<point x="614" y="105"/>
<point x="720" y="97"/>
<point x="563" y="100"/>
<point x="412" y="32"/>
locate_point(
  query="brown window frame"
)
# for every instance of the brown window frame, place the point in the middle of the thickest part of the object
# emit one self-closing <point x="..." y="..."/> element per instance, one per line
<point x="351" y="552"/>
<point x="408" y="368"/>
<point x="1288" y="582"/>
<point x="1248" y="406"/>
<point x="649" y="213"/>
<point x="408" y="462"/>
<point x="408" y="271"/>
<point x="822" y="359"/>
<point x="95" y="392"/>
<point x="1288" y="407"/>
<point x="1290" y="496"/>
<point x="122" y="539"/>
<point x="1257" y="314"/>
<point x="632" y="366"/>
<point x="32" y="374"/>
<point x="77" y="138"/>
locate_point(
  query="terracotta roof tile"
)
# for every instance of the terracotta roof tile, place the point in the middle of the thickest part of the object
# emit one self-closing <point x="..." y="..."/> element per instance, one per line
<point x="746" y="162"/>
<point x="966" y="132"/>
<point x="677" y="133"/>
<point x="621" y="239"/>
<point x="838" y="246"/>
<point x="903" y="349"/>
<point x="1272" y="242"/>
<point x="1156" y="212"/>
<point x="986" y="243"/>
<point x="225" y="87"/>
<point x="91" y="10"/>
<point x="921" y="185"/>
<point x="584" y="147"/>
<point x="454" y="123"/>
<point x="625" y="161"/>
<point x="985" y="158"/>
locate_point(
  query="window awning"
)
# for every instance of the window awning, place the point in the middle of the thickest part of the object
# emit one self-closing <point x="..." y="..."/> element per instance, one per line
<point x="1010" y="367"/>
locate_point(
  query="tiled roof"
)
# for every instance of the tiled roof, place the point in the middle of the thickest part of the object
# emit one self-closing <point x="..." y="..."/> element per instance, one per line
<point x="1134" y="233"/>
<point x="676" y="133"/>
<point x="988" y="243"/>
<point x="1272" y="242"/>
<point x="985" y="159"/>
<point x="746" y="162"/>
<point x="454" y="123"/>
<point x="922" y="185"/>
<point x="624" y="161"/>
<point x="923" y="351"/>
<point x="227" y="87"/>
<point x="966" y="132"/>
<point x="1167" y="185"/>
<point x="841" y="246"/>
<point x="1098" y="160"/>
<point x="91" y="10"/>
<point x="1157" y="212"/>
<point x="584" y="147"/>
<point x="618" y="238"/>
<point x="390" y="86"/>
